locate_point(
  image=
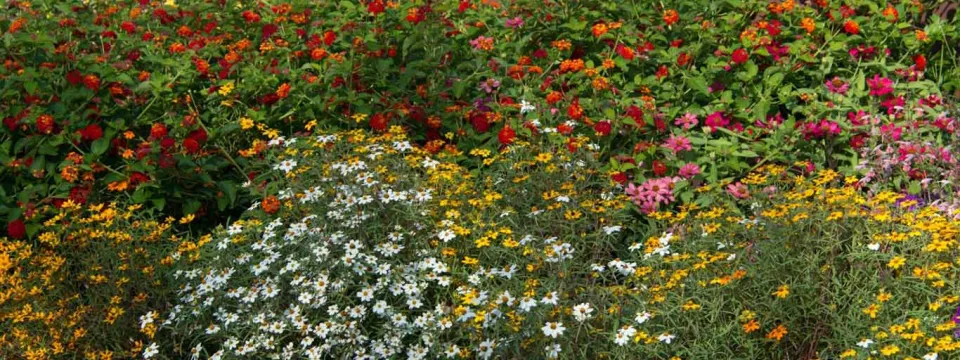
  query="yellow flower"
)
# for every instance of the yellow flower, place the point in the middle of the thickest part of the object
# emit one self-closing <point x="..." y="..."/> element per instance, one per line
<point x="544" y="157"/>
<point x="359" y="117"/>
<point x="889" y="350"/>
<point x="782" y="291"/>
<point x="226" y="89"/>
<point x="896" y="262"/>
<point x="246" y="123"/>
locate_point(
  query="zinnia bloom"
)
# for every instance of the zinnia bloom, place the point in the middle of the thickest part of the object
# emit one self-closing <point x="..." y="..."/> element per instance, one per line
<point x="677" y="144"/>
<point x="738" y="190"/>
<point x="880" y="86"/>
<point x="837" y="86"/>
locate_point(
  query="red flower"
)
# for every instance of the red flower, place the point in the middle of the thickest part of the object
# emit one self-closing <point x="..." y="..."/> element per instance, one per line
<point x="16" y="229"/>
<point x="158" y="131"/>
<point x="603" y="128"/>
<point x="92" y="132"/>
<point x="659" y="168"/>
<point x="191" y="145"/>
<point x="74" y="77"/>
<point x="251" y="17"/>
<point x="376" y="7"/>
<point x="739" y="56"/>
<point x="683" y="59"/>
<point x="851" y="27"/>
<point x="92" y="82"/>
<point x="625" y="52"/>
<point x="506" y="135"/>
<point x="329" y="37"/>
<point x="575" y="111"/>
<point x="620" y="177"/>
<point x="199" y="135"/>
<point x="79" y="194"/>
<point x="45" y="124"/>
<point x="662" y="72"/>
<point x="670" y="17"/>
<point x="480" y="122"/>
<point x="129" y="27"/>
<point x="379" y="122"/>
<point x="920" y="61"/>
<point x="268" y="31"/>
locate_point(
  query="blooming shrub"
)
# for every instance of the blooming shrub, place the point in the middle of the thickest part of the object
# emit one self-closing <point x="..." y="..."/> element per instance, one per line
<point x="77" y="292"/>
<point x="163" y="103"/>
<point x="372" y="248"/>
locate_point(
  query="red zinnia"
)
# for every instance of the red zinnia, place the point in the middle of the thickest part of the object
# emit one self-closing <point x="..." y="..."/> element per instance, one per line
<point x="379" y="122"/>
<point x="659" y="168"/>
<point x="16" y="229"/>
<point x="506" y="135"/>
<point x="603" y="128"/>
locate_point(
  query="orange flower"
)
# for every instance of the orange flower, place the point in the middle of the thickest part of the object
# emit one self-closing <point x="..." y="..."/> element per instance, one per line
<point x="751" y="326"/>
<point x="808" y="24"/>
<point x="270" y="204"/>
<point x="670" y="17"/>
<point x="283" y="91"/>
<point x="777" y="333"/>
<point x="600" y="29"/>
<point x="851" y="27"/>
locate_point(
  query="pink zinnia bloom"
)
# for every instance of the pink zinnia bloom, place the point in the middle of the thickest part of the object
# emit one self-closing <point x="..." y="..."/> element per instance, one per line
<point x="738" y="190"/>
<point x="677" y="144"/>
<point x="515" y="22"/>
<point x="716" y="120"/>
<point x="837" y="86"/>
<point x="687" y="121"/>
<point x="880" y="86"/>
<point x="689" y="170"/>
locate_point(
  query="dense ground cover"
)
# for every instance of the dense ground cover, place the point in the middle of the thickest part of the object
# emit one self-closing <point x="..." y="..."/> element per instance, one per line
<point x="477" y="179"/>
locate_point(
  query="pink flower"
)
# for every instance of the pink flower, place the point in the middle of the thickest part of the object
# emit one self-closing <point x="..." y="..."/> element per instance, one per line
<point x="738" y="190"/>
<point x="823" y="128"/>
<point x="716" y="120"/>
<point x="689" y="170"/>
<point x="687" y="121"/>
<point x="880" y="86"/>
<point x="652" y="193"/>
<point x="837" y="86"/>
<point x="891" y="131"/>
<point x="677" y="144"/>
<point x="514" y="23"/>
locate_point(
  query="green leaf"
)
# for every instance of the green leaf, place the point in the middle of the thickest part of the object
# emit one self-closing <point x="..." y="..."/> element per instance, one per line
<point x="698" y="83"/>
<point x="100" y="146"/>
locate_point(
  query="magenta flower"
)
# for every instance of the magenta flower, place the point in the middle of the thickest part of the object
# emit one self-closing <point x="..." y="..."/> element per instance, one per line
<point x="716" y="120"/>
<point x="880" y="86"/>
<point x="689" y="170"/>
<point x="820" y="129"/>
<point x="687" y="121"/>
<point x="738" y="190"/>
<point x="837" y="86"/>
<point x="515" y="23"/>
<point x="677" y="144"/>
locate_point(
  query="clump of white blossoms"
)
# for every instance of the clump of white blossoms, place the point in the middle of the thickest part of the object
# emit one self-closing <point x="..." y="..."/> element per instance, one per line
<point x="381" y="250"/>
